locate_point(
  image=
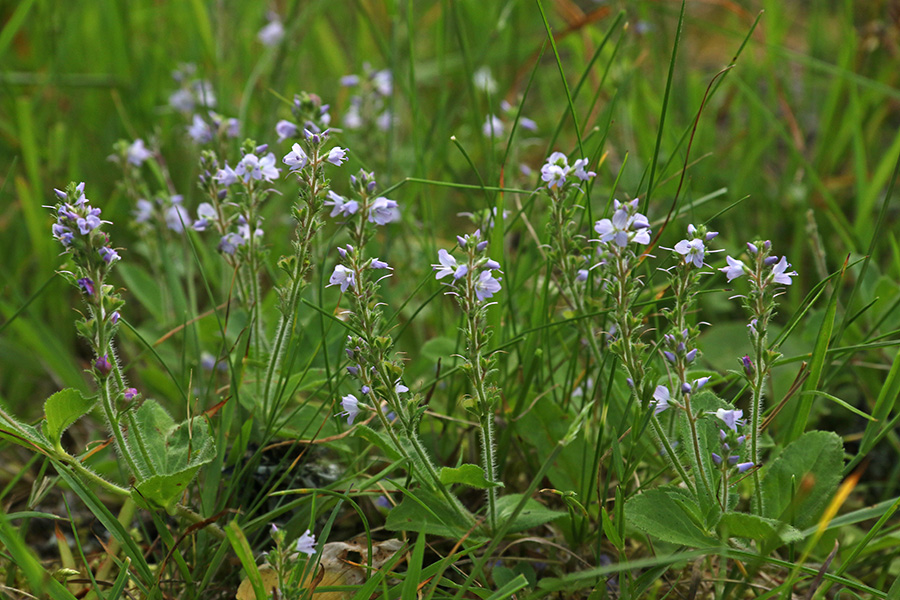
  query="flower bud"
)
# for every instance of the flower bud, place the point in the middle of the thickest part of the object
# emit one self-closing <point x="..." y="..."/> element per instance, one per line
<point x="770" y="260"/>
<point x="748" y="365"/>
<point x="752" y="248"/>
<point x="103" y="365"/>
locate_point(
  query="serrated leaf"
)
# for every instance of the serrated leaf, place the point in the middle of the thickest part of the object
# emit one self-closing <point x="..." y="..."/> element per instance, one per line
<point x="658" y="513"/>
<point x="758" y="528"/>
<point x="471" y="475"/>
<point x="802" y="480"/>
<point x="533" y="515"/>
<point x="168" y="454"/>
<point x="62" y="409"/>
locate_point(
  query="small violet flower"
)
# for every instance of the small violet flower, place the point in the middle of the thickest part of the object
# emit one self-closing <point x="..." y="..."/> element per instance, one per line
<point x="340" y="205"/>
<point x="285" y="130"/>
<point x="555" y="170"/>
<point x="627" y="225"/>
<point x="779" y="271"/>
<point x="177" y="218"/>
<point x="108" y="254"/>
<point x="383" y="211"/>
<point x="271" y="33"/>
<point x="447" y="265"/>
<point x="731" y="418"/>
<point x="199" y="130"/>
<point x="230" y="243"/>
<point x="226" y="176"/>
<point x="87" y="285"/>
<point x="579" y="171"/>
<point x="341" y="276"/>
<point x="253" y="167"/>
<point x="337" y="156"/>
<point x="351" y="408"/>
<point x="307" y="543"/>
<point x="296" y="159"/>
<point x="486" y="286"/>
<point x="692" y="251"/>
<point x="734" y="269"/>
<point x="661" y="397"/>
<point x="137" y="153"/>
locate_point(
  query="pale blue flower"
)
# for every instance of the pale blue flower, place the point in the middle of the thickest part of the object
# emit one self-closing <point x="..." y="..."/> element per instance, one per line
<point x="285" y="130"/>
<point x="627" y="225"/>
<point x="200" y="131"/>
<point x="734" y="269"/>
<point x="383" y="81"/>
<point x="731" y="418"/>
<point x="579" y="170"/>
<point x="555" y="170"/>
<point x="337" y="156"/>
<point x="177" y="218"/>
<point x="383" y="211"/>
<point x="780" y="274"/>
<point x="661" y="399"/>
<point x="447" y="265"/>
<point x="226" y="176"/>
<point x="341" y="276"/>
<point x="340" y="205"/>
<point x="206" y="212"/>
<point x="486" y="285"/>
<point x="296" y="159"/>
<point x="493" y="126"/>
<point x="484" y="81"/>
<point x="230" y="242"/>
<point x="144" y="211"/>
<point x="137" y="153"/>
<point x="351" y="408"/>
<point x="692" y="251"/>
<point x="272" y="33"/>
<point x="253" y="167"/>
<point x="306" y="543"/>
<point x="379" y="264"/>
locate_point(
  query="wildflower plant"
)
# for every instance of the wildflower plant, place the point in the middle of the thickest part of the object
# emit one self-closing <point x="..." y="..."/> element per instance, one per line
<point x="767" y="273"/>
<point x="474" y="282"/>
<point x="370" y="349"/>
<point x="161" y="456"/>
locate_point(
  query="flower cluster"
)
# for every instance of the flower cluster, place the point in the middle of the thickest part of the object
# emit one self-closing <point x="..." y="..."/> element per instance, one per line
<point x="79" y="229"/>
<point x="557" y="169"/>
<point x="770" y="269"/>
<point x="479" y="271"/>
<point x="497" y="126"/>
<point x="731" y="439"/>
<point x="627" y="225"/>
<point x="369" y="105"/>
<point x="308" y="116"/>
